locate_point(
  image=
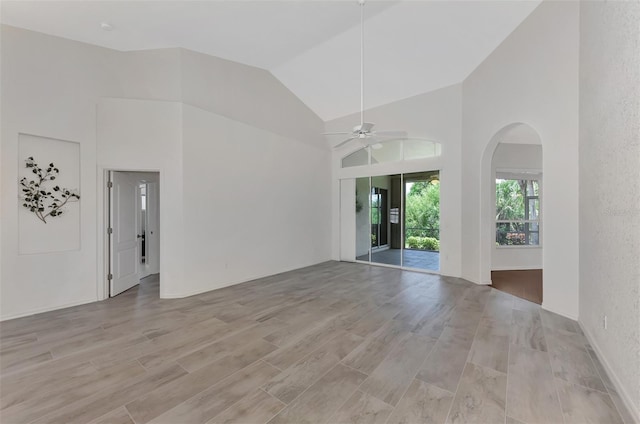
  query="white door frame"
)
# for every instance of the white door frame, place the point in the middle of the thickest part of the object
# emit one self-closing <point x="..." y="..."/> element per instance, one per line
<point x="102" y="178"/>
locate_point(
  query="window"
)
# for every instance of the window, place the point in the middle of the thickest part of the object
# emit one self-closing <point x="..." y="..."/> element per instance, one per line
<point x="517" y="210"/>
<point x="392" y="151"/>
<point x="357" y="158"/>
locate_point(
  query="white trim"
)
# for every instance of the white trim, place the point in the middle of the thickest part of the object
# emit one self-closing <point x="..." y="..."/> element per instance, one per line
<point x="47" y="309"/>
<point x="380" y="248"/>
<point x="561" y="313"/>
<point x="508" y="221"/>
<point x="102" y="223"/>
<point x="518" y="174"/>
<point x="624" y="395"/>
<point x="389" y="168"/>
<point x="401" y="268"/>
<point x="403" y="213"/>
<point x="234" y="283"/>
<point x="516" y="268"/>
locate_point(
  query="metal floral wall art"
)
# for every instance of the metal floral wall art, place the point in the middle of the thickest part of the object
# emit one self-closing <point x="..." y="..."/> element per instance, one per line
<point x="42" y="201"/>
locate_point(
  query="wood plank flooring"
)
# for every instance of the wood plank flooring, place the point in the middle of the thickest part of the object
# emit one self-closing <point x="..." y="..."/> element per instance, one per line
<point x="331" y="343"/>
<point x="525" y="284"/>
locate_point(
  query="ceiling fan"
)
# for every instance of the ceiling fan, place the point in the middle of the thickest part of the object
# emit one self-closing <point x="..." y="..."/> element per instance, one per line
<point x="364" y="131"/>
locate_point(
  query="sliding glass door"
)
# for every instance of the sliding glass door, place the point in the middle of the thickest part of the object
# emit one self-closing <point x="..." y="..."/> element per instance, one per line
<point x="398" y="220"/>
<point x="421" y="221"/>
<point x="363" y="218"/>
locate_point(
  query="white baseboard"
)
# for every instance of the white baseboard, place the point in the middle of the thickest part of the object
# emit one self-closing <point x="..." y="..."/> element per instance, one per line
<point x="480" y="283"/>
<point x="233" y="283"/>
<point x="561" y="313"/>
<point x="47" y="309"/>
<point x="204" y="290"/>
<point x="624" y="395"/>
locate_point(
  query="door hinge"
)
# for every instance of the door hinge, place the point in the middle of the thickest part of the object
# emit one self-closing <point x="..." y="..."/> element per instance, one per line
<point x="109" y="277"/>
<point x="109" y="184"/>
<point x="109" y="230"/>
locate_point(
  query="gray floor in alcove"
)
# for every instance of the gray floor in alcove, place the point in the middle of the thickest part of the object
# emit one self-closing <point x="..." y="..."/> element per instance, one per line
<point x="419" y="259"/>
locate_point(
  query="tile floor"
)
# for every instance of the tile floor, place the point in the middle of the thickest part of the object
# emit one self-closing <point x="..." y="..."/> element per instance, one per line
<point x="332" y="343"/>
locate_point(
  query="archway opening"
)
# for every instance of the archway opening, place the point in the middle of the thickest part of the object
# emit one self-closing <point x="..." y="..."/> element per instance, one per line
<point x="511" y="213"/>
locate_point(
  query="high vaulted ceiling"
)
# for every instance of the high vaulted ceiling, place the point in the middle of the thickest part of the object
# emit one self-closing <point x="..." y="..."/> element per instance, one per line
<point x="312" y="47"/>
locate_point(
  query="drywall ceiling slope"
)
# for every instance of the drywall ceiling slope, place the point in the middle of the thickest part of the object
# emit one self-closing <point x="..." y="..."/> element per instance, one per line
<point x="312" y="47"/>
<point x="263" y="34"/>
<point x="411" y="48"/>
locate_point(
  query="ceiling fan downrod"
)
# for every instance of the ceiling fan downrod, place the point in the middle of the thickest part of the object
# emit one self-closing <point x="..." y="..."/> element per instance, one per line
<point x="364" y="131"/>
<point x="361" y="2"/>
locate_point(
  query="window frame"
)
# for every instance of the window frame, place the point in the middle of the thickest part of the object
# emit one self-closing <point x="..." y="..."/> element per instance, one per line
<point x="369" y="149"/>
<point x="528" y="175"/>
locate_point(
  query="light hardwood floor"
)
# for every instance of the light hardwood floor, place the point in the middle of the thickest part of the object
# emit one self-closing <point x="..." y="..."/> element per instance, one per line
<point x="525" y="284"/>
<point x="332" y="343"/>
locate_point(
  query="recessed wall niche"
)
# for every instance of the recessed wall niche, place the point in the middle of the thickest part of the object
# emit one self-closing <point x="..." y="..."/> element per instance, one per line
<point x="61" y="233"/>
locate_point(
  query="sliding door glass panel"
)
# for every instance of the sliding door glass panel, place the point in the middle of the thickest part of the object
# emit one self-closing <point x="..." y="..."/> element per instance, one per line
<point x="421" y="221"/>
<point x="363" y="219"/>
<point x="386" y="151"/>
<point x="385" y="220"/>
<point x="357" y="158"/>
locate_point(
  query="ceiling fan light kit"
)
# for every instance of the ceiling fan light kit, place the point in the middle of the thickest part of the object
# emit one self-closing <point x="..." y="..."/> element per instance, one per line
<point x="364" y="131"/>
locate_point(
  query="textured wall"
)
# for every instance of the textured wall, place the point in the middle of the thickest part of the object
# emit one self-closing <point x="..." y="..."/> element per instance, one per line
<point x="610" y="186"/>
<point x="531" y="78"/>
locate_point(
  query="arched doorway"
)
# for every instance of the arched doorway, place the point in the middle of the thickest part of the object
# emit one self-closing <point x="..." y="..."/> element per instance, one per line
<point x="511" y="220"/>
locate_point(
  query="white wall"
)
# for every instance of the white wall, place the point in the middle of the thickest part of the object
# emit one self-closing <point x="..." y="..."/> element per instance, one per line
<point x="145" y="135"/>
<point x="150" y="74"/>
<point x="532" y="77"/>
<point x="247" y="94"/>
<point x="610" y="189"/>
<point x="523" y="157"/>
<point x="49" y="88"/>
<point x="256" y="203"/>
<point x="435" y="116"/>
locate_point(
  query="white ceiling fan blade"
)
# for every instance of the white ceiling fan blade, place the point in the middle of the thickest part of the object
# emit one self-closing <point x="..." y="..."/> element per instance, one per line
<point x="337" y="133"/>
<point x="344" y="142"/>
<point x="399" y="134"/>
<point x="365" y="127"/>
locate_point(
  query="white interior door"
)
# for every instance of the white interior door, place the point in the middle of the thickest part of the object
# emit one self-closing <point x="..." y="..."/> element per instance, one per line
<point x="153" y="229"/>
<point x="125" y="249"/>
